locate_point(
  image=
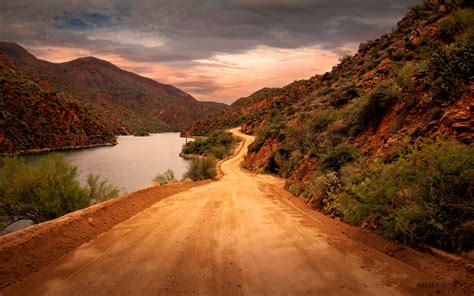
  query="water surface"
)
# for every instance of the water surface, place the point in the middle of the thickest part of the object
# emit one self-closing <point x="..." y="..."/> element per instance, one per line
<point x="133" y="163"/>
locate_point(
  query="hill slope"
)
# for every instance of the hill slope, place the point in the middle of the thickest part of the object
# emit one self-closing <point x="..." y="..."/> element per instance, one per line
<point x="32" y="117"/>
<point x="384" y="140"/>
<point x="131" y="103"/>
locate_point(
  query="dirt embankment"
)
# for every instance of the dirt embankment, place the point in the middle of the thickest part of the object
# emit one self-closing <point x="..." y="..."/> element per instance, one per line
<point x="26" y="251"/>
<point x="242" y="235"/>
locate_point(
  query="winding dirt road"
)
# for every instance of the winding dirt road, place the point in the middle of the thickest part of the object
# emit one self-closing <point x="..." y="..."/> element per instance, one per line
<point x="234" y="236"/>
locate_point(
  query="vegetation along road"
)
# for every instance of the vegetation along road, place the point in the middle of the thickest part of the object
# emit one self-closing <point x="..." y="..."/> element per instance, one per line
<point x="240" y="235"/>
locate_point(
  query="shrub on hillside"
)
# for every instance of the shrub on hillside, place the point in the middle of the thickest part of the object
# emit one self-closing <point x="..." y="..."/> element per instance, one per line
<point x="165" y="178"/>
<point x="335" y="158"/>
<point x="202" y="168"/>
<point x="452" y="67"/>
<point x="271" y="128"/>
<point x="425" y="197"/>
<point x="382" y="97"/>
<point x="461" y="21"/>
<point x="47" y="190"/>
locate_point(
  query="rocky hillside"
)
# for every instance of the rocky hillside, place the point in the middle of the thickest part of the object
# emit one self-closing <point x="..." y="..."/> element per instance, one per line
<point x="128" y="103"/>
<point x="34" y="117"/>
<point x="384" y="140"/>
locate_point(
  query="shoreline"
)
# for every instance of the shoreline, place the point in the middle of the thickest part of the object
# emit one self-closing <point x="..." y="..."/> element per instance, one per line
<point x="58" y="149"/>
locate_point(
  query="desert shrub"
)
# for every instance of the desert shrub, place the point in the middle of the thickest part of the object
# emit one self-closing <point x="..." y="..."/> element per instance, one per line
<point x="219" y="143"/>
<point x="283" y="161"/>
<point x="397" y="55"/>
<point x="461" y="21"/>
<point x="319" y="188"/>
<point x="306" y="136"/>
<point x="335" y="158"/>
<point x="422" y="198"/>
<point x="202" y="168"/>
<point x="100" y="190"/>
<point x="403" y="77"/>
<point x="321" y="120"/>
<point x="452" y="66"/>
<point x="165" y="178"/>
<point x="272" y="128"/>
<point x="46" y="190"/>
<point x="371" y="112"/>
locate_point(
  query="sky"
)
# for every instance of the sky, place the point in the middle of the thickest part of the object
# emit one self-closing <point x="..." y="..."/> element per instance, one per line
<point x="216" y="50"/>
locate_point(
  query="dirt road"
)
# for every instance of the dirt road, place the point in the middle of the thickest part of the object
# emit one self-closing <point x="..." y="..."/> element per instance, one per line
<point x="230" y="237"/>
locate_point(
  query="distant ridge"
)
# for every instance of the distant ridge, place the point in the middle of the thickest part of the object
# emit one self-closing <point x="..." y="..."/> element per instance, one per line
<point x="125" y="102"/>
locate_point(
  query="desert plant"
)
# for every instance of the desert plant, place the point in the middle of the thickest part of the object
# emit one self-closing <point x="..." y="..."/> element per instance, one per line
<point x="371" y="112"/>
<point x="47" y="190"/>
<point x="100" y="190"/>
<point x="338" y="156"/>
<point x="452" y="66"/>
<point x="461" y="21"/>
<point x="165" y="178"/>
<point x="219" y="143"/>
<point x="202" y="168"/>
<point x="423" y="198"/>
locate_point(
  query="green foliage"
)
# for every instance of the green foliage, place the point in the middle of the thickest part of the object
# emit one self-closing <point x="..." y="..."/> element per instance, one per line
<point x="321" y="120"/>
<point x="165" y="178"/>
<point x="452" y="67"/>
<point x="283" y="161"/>
<point x="47" y="190"/>
<point x="202" y="168"/>
<point x="219" y="143"/>
<point x="271" y="128"/>
<point x="100" y="190"/>
<point x="319" y="189"/>
<point x="460" y="22"/>
<point x="338" y="156"/>
<point x="422" y="198"/>
<point x="403" y="78"/>
<point x="382" y="97"/>
<point x="397" y="55"/>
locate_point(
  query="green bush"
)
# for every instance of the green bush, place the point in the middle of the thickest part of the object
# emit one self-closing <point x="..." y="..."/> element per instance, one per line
<point x="165" y="178"/>
<point x="461" y="21"/>
<point x="321" y="120"/>
<point x="47" y="190"/>
<point x="382" y="97"/>
<point x="202" y="168"/>
<point x="397" y="55"/>
<point x="219" y="143"/>
<point x="403" y="77"/>
<point x="271" y="128"/>
<point x="338" y="156"/>
<point x="452" y="67"/>
<point x="422" y="198"/>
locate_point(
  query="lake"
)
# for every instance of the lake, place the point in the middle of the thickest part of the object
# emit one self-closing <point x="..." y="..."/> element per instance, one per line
<point x="133" y="163"/>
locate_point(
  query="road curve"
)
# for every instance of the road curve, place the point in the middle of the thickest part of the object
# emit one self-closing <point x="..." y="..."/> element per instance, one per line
<point x="230" y="237"/>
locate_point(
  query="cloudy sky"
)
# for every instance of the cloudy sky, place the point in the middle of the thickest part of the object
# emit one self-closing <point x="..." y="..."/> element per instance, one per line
<point x="216" y="50"/>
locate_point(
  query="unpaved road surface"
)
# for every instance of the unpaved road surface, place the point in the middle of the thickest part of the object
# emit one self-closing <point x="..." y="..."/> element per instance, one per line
<point x="229" y="237"/>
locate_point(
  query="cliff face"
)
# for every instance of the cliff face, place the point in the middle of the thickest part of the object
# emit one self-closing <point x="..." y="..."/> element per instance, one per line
<point x="126" y="102"/>
<point x="33" y="117"/>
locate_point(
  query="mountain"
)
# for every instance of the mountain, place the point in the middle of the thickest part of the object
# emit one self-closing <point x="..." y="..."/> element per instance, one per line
<point x="126" y="102"/>
<point x="383" y="140"/>
<point x="34" y="117"/>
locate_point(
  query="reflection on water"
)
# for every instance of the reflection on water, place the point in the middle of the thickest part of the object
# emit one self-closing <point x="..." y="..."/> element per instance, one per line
<point x="133" y="163"/>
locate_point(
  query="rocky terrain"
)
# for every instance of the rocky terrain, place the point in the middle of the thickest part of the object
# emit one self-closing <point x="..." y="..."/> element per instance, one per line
<point x="34" y="117"/>
<point x="382" y="139"/>
<point x="124" y="102"/>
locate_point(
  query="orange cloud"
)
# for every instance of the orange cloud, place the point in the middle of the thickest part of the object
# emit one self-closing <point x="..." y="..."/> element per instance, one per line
<point x="224" y="77"/>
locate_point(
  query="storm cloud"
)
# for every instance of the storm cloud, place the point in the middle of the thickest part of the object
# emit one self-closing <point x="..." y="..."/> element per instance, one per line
<point x="183" y="35"/>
